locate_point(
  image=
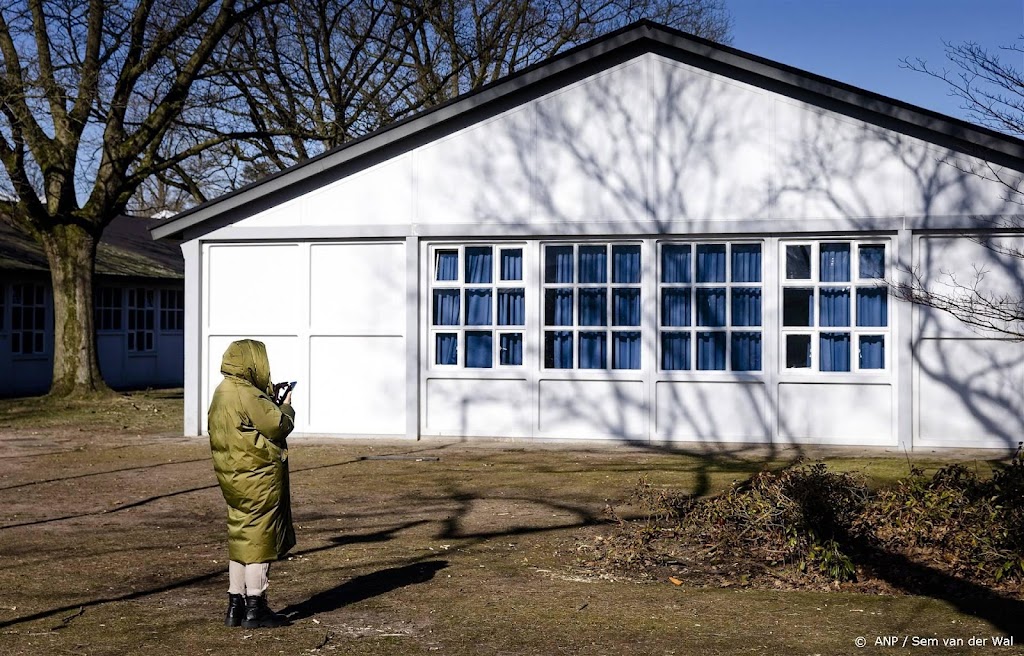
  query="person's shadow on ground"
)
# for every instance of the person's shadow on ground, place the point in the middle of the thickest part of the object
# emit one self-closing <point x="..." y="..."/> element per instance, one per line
<point x="364" y="587"/>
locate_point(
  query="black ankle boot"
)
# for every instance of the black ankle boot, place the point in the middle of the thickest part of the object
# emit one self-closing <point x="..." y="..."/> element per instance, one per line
<point x="258" y="614"/>
<point x="236" y="610"/>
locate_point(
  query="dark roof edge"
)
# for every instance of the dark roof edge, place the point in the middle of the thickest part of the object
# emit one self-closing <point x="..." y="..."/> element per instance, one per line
<point x="972" y="139"/>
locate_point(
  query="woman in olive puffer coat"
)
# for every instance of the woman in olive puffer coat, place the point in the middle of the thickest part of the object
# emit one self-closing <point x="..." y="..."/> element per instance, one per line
<point x="248" y="432"/>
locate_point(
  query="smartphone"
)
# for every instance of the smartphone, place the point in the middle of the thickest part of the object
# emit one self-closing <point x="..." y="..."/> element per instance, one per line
<point x="282" y="390"/>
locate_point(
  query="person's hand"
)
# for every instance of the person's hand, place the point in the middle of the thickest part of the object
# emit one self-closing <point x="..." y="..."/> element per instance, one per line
<point x="287" y="398"/>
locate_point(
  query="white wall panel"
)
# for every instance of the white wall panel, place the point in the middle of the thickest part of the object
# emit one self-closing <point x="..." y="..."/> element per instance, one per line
<point x="594" y="149"/>
<point x="970" y="392"/>
<point x="357" y="288"/>
<point x="285" y="215"/>
<point x="357" y="385"/>
<point x="286" y="363"/>
<point x="381" y="194"/>
<point x="943" y="183"/>
<point x="487" y="407"/>
<point x="712" y="145"/>
<point x="254" y="288"/>
<point x="592" y="409"/>
<point x="851" y="414"/>
<point x="712" y="412"/>
<point x="481" y="174"/>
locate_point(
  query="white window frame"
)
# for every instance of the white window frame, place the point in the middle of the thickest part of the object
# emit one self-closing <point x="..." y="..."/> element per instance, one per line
<point x="461" y="285"/>
<point x="816" y="284"/>
<point x="575" y="329"/>
<point x="693" y="329"/>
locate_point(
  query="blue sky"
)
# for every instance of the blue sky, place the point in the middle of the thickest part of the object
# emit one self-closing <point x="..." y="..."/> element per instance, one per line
<point x="861" y="42"/>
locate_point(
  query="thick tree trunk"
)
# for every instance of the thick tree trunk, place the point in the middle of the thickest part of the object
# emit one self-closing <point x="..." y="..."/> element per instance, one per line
<point x="71" y="252"/>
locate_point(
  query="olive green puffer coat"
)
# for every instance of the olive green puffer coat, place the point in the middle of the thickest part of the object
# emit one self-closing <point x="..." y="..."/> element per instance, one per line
<point x="250" y="455"/>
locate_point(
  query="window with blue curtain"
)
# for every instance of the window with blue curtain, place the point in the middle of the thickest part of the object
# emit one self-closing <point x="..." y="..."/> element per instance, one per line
<point x="593" y="307"/>
<point x="625" y="307"/>
<point x="675" y="351"/>
<point x="746" y="306"/>
<point x="593" y="264"/>
<point x="872" y="352"/>
<point x="478" y="307"/>
<point x="479" y="349"/>
<point x="558" y="307"/>
<point x="593" y="350"/>
<point x="511" y="348"/>
<point x="478" y="264"/>
<point x="626" y="263"/>
<point x="746" y="351"/>
<point x="558" y="349"/>
<point x="872" y="306"/>
<point x="711" y="263"/>
<point x="834" y="306"/>
<point x="675" y="263"/>
<point x="626" y="350"/>
<point x="711" y="307"/>
<point x="675" y="306"/>
<point x="511" y="307"/>
<point x="558" y="264"/>
<point x="834" y="351"/>
<point x="446" y="307"/>
<point x="871" y="263"/>
<point x="511" y="264"/>
<point x="446" y="265"/>
<point x="446" y="347"/>
<point x="835" y="263"/>
<point x="746" y="263"/>
<point x="710" y="351"/>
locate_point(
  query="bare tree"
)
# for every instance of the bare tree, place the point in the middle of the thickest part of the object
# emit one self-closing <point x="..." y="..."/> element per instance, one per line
<point x="89" y="92"/>
<point x="991" y="91"/>
<point x="315" y="74"/>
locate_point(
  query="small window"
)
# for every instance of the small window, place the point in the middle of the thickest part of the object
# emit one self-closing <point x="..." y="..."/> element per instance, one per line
<point x="108" y="309"/>
<point x="172" y="310"/>
<point x="141" y="320"/>
<point x="28" y="318"/>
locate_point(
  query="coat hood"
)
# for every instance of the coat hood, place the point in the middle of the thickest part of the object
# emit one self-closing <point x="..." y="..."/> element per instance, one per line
<point x="247" y="359"/>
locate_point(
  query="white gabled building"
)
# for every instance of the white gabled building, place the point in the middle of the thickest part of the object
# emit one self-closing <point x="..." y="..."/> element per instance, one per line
<point x="650" y="238"/>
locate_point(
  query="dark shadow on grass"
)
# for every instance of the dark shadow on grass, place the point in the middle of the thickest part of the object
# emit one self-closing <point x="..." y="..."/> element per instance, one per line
<point x="362" y="538"/>
<point x="365" y="587"/>
<point x="102" y="473"/>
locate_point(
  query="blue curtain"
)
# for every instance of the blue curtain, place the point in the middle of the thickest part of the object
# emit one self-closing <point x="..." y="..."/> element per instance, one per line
<point x="798" y="262"/>
<point x="626" y="350"/>
<point x="478" y="349"/>
<point x="675" y="306"/>
<point x="447" y="265"/>
<point x="835" y="351"/>
<point x="512" y="264"/>
<point x="558" y="264"/>
<point x="711" y="307"/>
<point x="675" y="351"/>
<point x="710" y="351"/>
<point x="626" y="263"/>
<point x="446" y="307"/>
<point x="511" y="307"/>
<point x="478" y="264"/>
<point x="746" y="306"/>
<point x="835" y="262"/>
<point x="478" y="307"/>
<point x="872" y="306"/>
<point x="511" y="345"/>
<point x="446" y="346"/>
<point x="594" y="307"/>
<point x="872" y="261"/>
<point x="593" y="351"/>
<point x="675" y="263"/>
<point x="558" y="350"/>
<point x="625" y="307"/>
<point x="593" y="264"/>
<point x="746" y="351"/>
<point x="557" y="307"/>
<point x="797" y="306"/>
<point x="834" y="306"/>
<point x="872" y="352"/>
<point x="798" y="351"/>
<point x="746" y="263"/>
<point x="711" y="263"/>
